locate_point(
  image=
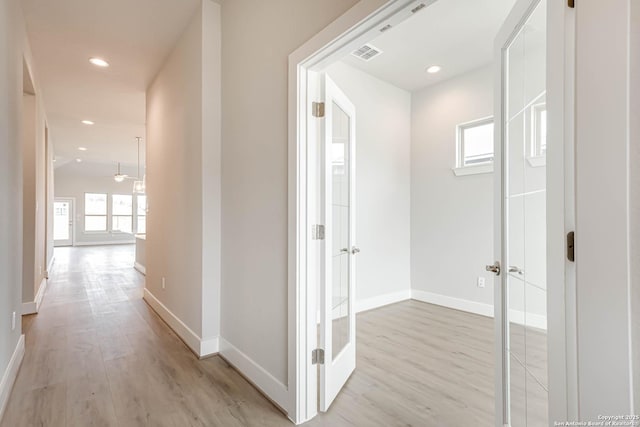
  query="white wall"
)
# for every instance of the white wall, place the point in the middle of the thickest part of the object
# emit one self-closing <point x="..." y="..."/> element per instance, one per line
<point x="383" y="143"/>
<point x="73" y="180"/>
<point x="451" y="216"/>
<point x="12" y="47"/>
<point x="604" y="266"/>
<point x="635" y="196"/>
<point x="254" y="171"/>
<point x="183" y="184"/>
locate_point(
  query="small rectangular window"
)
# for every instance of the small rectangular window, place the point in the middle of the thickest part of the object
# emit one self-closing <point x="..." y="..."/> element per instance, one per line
<point x="122" y="213"/>
<point x="475" y="143"/>
<point x="95" y="212"/>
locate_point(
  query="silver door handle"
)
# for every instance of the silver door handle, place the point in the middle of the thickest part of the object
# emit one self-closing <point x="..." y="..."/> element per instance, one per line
<point x="355" y="250"/>
<point x="517" y="270"/>
<point x="344" y="250"/>
<point x="495" y="268"/>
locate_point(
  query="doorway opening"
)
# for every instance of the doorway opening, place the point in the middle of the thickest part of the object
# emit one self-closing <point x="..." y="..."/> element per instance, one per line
<point x="471" y="184"/>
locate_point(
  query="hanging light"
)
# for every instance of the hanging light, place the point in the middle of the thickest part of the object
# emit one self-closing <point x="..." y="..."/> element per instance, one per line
<point x="118" y="177"/>
<point x="139" y="187"/>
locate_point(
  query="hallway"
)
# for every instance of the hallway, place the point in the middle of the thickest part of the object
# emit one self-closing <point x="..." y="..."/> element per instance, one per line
<point x="97" y="355"/>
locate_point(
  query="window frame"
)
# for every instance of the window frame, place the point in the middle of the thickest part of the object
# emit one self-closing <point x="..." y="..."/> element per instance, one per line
<point x="137" y="211"/>
<point x="461" y="168"/>
<point x="105" y="215"/>
<point x="113" y="215"/>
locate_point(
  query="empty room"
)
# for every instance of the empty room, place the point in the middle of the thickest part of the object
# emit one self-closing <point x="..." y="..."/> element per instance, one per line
<point x="323" y="213"/>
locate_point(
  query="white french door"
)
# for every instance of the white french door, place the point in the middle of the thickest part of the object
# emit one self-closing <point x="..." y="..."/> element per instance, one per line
<point x="337" y="293"/>
<point x="63" y="222"/>
<point x="521" y="217"/>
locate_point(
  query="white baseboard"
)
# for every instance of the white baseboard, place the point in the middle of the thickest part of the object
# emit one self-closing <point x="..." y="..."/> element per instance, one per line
<point x="517" y="316"/>
<point x="10" y="374"/>
<point x="108" y="242"/>
<point x="382" y="300"/>
<point x="141" y="268"/>
<point x="33" y="307"/>
<point x="451" y="302"/>
<point x="202" y="348"/>
<point x="256" y="374"/>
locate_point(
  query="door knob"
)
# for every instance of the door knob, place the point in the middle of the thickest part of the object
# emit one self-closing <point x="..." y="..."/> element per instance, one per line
<point x="355" y="250"/>
<point x="495" y="268"/>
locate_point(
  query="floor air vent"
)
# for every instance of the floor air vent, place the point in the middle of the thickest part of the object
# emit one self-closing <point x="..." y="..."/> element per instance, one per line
<point x="366" y="52"/>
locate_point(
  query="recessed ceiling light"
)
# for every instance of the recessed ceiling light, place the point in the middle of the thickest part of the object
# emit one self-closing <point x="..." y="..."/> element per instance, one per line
<point x="78" y="160"/>
<point x="87" y="122"/>
<point x="433" y="69"/>
<point x="99" y="62"/>
<point x="82" y="148"/>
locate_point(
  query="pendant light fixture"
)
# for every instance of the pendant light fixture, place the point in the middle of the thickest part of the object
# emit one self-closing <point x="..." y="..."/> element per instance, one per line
<point x="119" y="177"/>
<point x="139" y="187"/>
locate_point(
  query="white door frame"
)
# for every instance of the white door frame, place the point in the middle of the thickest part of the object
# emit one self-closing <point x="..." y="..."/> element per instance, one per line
<point x="356" y="26"/>
<point x="72" y="215"/>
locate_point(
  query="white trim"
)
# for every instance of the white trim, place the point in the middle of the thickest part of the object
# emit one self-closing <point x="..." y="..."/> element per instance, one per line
<point x="109" y="242"/>
<point x="452" y="302"/>
<point x="382" y="300"/>
<point x="141" y="268"/>
<point x="10" y="375"/>
<point x="473" y="170"/>
<point x="202" y="348"/>
<point x="516" y="316"/>
<point x="33" y="307"/>
<point x="256" y="374"/>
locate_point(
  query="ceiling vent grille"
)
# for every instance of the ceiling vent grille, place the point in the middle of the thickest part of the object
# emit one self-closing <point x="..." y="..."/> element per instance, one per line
<point x="423" y="5"/>
<point x="367" y="52"/>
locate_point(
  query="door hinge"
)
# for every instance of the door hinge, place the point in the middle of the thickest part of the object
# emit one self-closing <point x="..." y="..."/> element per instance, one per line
<point x="317" y="232"/>
<point x="317" y="357"/>
<point x="317" y="109"/>
<point x="571" y="3"/>
<point x="571" y="246"/>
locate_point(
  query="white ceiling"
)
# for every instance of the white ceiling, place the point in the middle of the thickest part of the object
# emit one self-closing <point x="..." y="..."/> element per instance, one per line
<point x="457" y="35"/>
<point x="133" y="36"/>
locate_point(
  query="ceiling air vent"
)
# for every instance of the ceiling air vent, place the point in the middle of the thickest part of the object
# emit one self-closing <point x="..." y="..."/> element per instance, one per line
<point x="366" y="52"/>
<point x="422" y="5"/>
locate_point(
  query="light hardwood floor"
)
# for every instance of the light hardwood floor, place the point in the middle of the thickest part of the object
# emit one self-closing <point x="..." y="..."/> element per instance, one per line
<point x="97" y="355"/>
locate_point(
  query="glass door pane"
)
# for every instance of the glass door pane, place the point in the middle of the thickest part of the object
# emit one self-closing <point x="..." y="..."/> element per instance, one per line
<point x="61" y="219"/>
<point x="340" y="177"/>
<point x="525" y="220"/>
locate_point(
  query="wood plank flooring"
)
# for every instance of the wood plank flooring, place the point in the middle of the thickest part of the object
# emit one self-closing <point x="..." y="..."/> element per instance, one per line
<point x="97" y="355"/>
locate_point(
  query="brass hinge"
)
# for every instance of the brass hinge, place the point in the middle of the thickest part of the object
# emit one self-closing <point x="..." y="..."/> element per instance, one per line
<point x="571" y="246"/>
<point x="317" y="109"/>
<point x="317" y="232"/>
<point x="317" y="356"/>
<point x="571" y="3"/>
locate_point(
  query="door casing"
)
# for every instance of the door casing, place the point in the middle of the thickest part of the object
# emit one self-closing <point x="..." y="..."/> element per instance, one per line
<point x="350" y="30"/>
